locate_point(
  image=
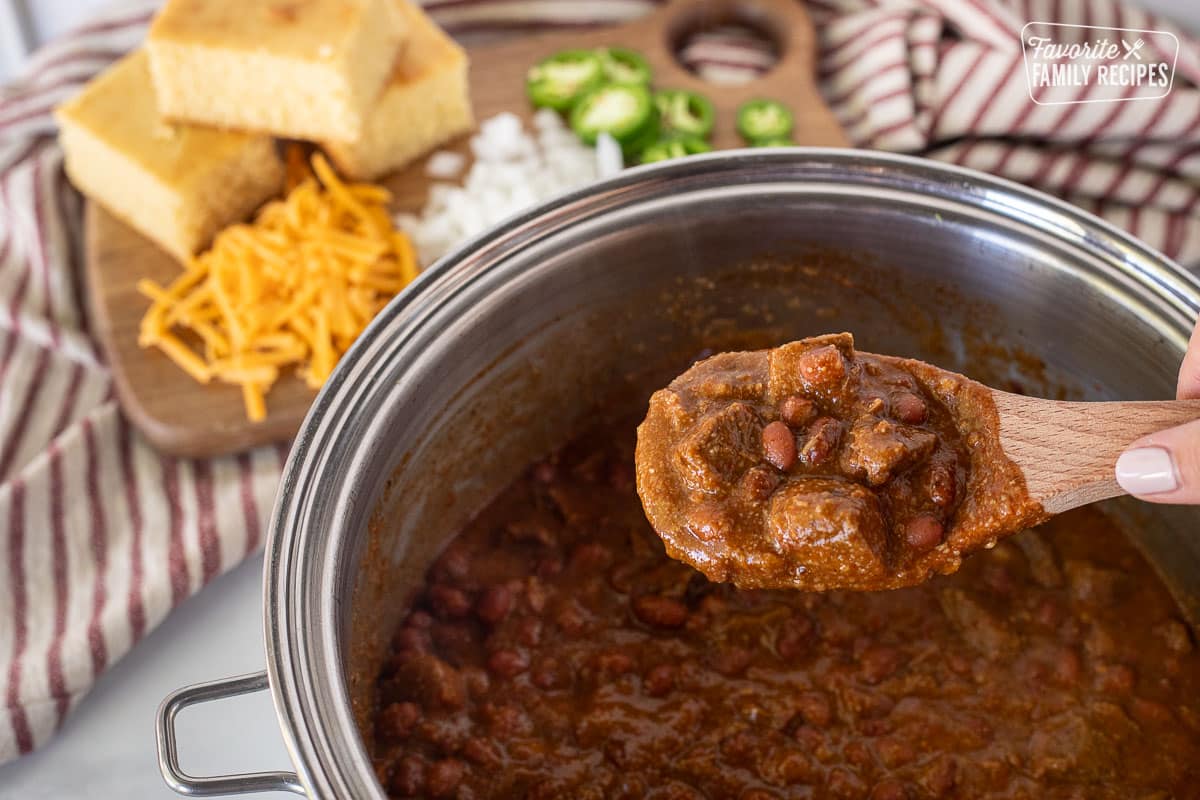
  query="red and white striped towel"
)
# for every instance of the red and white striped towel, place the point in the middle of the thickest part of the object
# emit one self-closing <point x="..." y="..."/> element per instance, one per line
<point x="100" y="536"/>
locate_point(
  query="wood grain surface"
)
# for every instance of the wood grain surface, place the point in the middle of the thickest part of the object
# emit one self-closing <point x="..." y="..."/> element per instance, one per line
<point x="182" y="417"/>
<point x="1068" y="451"/>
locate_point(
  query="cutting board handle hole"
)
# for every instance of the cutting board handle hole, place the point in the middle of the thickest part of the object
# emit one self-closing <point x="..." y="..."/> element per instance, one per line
<point x="728" y="42"/>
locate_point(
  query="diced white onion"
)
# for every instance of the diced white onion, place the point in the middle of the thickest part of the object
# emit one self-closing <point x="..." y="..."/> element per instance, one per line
<point x="513" y="170"/>
<point x="609" y="160"/>
<point x="445" y="165"/>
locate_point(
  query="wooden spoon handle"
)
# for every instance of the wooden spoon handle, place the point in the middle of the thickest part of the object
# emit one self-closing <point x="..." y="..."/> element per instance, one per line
<point x="1068" y="451"/>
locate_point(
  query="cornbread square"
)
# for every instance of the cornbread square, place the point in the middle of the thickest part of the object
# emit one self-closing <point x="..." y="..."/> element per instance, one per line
<point x="300" y="69"/>
<point x="177" y="184"/>
<point x="425" y="103"/>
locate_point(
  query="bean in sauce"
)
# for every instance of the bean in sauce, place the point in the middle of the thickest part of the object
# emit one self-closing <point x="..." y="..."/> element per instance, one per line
<point x="816" y="466"/>
<point x="1055" y="666"/>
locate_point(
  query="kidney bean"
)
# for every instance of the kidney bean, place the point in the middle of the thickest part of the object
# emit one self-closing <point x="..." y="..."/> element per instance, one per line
<point x="867" y="704"/>
<point x="660" y="612"/>
<point x="999" y="579"/>
<point x="476" y="680"/>
<point x="940" y="777"/>
<point x="895" y="752"/>
<point x="549" y="673"/>
<point x="797" y="411"/>
<point x="889" y="789"/>
<point x="873" y="727"/>
<point x="858" y="754"/>
<point x="1115" y="678"/>
<point x="879" y="662"/>
<point x="730" y="660"/>
<point x="758" y="794"/>
<point x="760" y="482"/>
<point x="571" y="620"/>
<point x="617" y="753"/>
<point x="811" y="741"/>
<point x="419" y="619"/>
<point x="409" y="778"/>
<point x="909" y="408"/>
<point x="620" y="476"/>
<point x="535" y="595"/>
<point x="623" y="576"/>
<point x="679" y="791"/>
<point x="481" y="751"/>
<point x="544" y="472"/>
<point x="448" y="602"/>
<point x="441" y="732"/>
<point x="529" y="632"/>
<point x="659" y="680"/>
<point x="589" y="556"/>
<point x="981" y="729"/>
<point x="534" y="530"/>
<point x="412" y="639"/>
<point x="508" y="663"/>
<point x="548" y="567"/>
<point x="494" y="604"/>
<point x="614" y="662"/>
<point x="1151" y="711"/>
<point x="823" y="436"/>
<point x="844" y="785"/>
<point x="814" y="708"/>
<point x="453" y="564"/>
<point x="504" y="721"/>
<point x="443" y="777"/>
<point x="739" y="746"/>
<point x="923" y="532"/>
<point x="779" y="445"/>
<point x="822" y="368"/>
<point x="1098" y="643"/>
<point x="396" y="720"/>
<point x="1067" y="666"/>
<point x="795" y="637"/>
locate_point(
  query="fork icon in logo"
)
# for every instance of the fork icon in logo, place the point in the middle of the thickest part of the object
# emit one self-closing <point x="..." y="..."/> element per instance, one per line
<point x="1132" y="50"/>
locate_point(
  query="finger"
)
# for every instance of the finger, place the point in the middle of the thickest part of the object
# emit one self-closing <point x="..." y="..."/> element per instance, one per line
<point x="1189" y="372"/>
<point x="1163" y="467"/>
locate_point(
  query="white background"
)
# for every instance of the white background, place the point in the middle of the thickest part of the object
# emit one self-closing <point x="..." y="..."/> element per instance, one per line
<point x="106" y="748"/>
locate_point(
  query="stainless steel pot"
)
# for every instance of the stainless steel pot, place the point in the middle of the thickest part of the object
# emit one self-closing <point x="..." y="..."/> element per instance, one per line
<point x="498" y="351"/>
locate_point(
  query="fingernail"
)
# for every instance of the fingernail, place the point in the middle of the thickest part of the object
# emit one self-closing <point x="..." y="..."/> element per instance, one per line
<point x="1147" y="470"/>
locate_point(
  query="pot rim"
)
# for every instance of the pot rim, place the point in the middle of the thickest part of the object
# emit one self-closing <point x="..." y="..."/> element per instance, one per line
<point x="302" y="631"/>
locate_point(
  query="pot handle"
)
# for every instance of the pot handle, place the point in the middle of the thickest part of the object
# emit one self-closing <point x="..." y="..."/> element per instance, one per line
<point x="209" y="785"/>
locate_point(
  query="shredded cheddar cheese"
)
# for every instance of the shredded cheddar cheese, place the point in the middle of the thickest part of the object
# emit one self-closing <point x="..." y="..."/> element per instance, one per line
<point x="293" y="289"/>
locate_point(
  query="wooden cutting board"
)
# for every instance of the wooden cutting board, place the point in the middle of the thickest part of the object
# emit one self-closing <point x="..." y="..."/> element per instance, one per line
<point x="182" y="417"/>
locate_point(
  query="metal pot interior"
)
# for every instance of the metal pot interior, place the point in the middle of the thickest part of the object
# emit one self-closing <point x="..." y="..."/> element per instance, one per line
<point x="518" y="341"/>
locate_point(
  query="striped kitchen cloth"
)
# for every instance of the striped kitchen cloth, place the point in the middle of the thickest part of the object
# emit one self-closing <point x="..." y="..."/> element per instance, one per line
<point x="101" y="536"/>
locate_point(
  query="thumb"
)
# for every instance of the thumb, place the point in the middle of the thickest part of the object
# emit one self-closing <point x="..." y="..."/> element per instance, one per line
<point x="1163" y="467"/>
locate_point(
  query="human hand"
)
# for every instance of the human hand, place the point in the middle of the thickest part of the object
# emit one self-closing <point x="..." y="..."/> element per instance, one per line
<point x="1164" y="467"/>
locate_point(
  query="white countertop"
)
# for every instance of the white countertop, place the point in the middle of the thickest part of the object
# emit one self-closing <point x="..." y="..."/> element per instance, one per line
<point x="106" y="747"/>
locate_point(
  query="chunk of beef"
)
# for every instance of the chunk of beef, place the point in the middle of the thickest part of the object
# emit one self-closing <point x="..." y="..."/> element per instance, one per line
<point x="1081" y="743"/>
<point x="981" y="629"/>
<point x="876" y="449"/>
<point x="720" y="448"/>
<point x="811" y="367"/>
<point x="426" y="679"/>
<point x="832" y="527"/>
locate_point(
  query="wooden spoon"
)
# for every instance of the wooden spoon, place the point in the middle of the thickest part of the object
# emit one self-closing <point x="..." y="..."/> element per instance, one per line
<point x="815" y="466"/>
<point x="1068" y="451"/>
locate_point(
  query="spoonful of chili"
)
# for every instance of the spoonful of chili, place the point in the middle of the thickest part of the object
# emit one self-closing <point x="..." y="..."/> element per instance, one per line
<point x="817" y="467"/>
